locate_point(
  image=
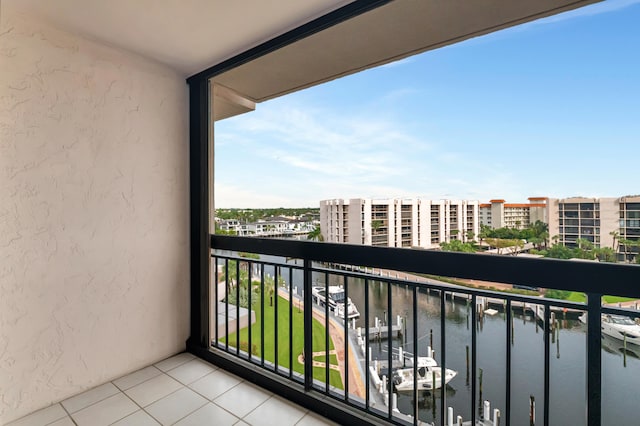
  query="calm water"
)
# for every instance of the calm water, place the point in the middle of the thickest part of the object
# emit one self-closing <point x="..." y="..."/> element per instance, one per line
<point x="621" y="399"/>
<point x="568" y="362"/>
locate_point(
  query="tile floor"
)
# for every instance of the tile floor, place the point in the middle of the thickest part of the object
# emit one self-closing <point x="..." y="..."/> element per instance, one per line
<point x="182" y="391"/>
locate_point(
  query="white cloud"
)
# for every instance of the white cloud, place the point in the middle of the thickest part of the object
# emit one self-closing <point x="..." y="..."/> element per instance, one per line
<point x="325" y="143"/>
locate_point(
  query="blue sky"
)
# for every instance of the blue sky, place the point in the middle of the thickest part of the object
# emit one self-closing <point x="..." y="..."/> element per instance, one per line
<point x="550" y="108"/>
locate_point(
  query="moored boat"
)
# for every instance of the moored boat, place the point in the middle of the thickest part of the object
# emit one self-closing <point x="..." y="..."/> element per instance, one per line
<point x="619" y="327"/>
<point x="427" y="371"/>
<point x="337" y="300"/>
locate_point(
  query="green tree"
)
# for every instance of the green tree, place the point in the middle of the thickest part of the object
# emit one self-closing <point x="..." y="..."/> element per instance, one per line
<point x="585" y="249"/>
<point x="470" y="235"/>
<point x="457" y="245"/>
<point x="629" y="246"/>
<point x="539" y="227"/>
<point x="559" y="251"/>
<point x="502" y="243"/>
<point x="315" y="235"/>
<point x="616" y="240"/>
<point x="544" y="236"/>
<point x="219" y="231"/>
<point x="557" y="294"/>
<point x="484" y="232"/>
<point x="605" y="254"/>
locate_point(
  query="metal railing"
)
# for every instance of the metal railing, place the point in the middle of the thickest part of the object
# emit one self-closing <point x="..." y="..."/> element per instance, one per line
<point x="258" y="307"/>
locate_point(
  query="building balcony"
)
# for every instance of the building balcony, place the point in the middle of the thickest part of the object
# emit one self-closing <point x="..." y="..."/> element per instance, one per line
<point x="505" y="336"/>
<point x="106" y="116"/>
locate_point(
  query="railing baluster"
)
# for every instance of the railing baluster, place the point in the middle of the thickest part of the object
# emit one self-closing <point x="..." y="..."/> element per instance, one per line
<point x="346" y="338"/>
<point x="326" y="331"/>
<point x="415" y="355"/>
<point x="594" y="359"/>
<point x="443" y="359"/>
<point x="238" y="283"/>
<point x="290" y="323"/>
<point x="474" y="323"/>
<point x="274" y="299"/>
<point x="216" y="283"/>
<point x="308" y="327"/>
<point x="390" y="346"/>
<point x="249" y="310"/>
<point x="547" y="361"/>
<point x="507" y="399"/>
<point x="366" y="344"/>
<point x="262" y="308"/>
<point x="226" y="305"/>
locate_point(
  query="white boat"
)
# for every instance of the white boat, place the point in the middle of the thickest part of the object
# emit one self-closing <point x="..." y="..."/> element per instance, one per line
<point x="427" y="367"/>
<point x="336" y="301"/>
<point x="618" y="327"/>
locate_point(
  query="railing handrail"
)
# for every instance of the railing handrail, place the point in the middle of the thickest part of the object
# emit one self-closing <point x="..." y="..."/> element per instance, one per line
<point x="588" y="277"/>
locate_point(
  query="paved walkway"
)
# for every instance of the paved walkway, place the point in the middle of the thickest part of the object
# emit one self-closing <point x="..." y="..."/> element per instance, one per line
<point x="320" y="363"/>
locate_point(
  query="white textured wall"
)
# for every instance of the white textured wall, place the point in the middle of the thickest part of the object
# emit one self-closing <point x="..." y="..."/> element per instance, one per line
<point x="93" y="214"/>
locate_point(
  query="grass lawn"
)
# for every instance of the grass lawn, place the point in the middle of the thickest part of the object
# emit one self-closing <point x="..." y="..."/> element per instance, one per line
<point x="333" y="359"/>
<point x="581" y="297"/>
<point x="616" y="299"/>
<point x="575" y="296"/>
<point x="297" y="341"/>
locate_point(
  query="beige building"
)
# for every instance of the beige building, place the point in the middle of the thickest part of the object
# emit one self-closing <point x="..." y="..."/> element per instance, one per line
<point x="591" y="219"/>
<point x="629" y="227"/>
<point x="398" y="222"/>
<point x="499" y="214"/>
<point x="606" y="222"/>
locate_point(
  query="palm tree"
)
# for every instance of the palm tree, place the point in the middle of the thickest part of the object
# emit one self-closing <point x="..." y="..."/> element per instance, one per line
<point x="484" y="232"/>
<point x="616" y="240"/>
<point x="585" y="249"/>
<point x="544" y="236"/>
<point x="315" y="235"/>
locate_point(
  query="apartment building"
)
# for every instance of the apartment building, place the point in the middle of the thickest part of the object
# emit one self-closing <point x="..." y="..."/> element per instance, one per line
<point x="592" y="219"/>
<point x="413" y="222"/>
<point x="629" y="227"/>
<point x="499" y="214"/>
<point x="606" y="222"/>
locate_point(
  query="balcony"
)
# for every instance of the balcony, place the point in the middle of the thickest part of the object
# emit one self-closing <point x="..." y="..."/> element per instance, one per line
<point x="406" y="312"/>
<point x="106" y="190"/>
<point x="501" y="332"/>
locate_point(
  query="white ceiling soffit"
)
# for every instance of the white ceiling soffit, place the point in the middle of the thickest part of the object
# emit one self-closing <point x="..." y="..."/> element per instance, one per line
<point x="393" y="31"/>
<point x="188" y="35"/>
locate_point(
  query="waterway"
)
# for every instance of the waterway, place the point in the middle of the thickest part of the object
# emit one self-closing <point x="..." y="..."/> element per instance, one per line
<point x="620" y="397"/>
<point x="620" y="374"/>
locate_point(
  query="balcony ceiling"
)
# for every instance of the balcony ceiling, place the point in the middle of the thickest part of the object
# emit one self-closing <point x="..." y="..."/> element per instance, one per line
<point x="192" y="35"/>
<point x="188" y="35"/>
<point x="394" y="31"/>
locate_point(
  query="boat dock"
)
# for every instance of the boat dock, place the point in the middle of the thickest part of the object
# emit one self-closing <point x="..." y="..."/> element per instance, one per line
<point x="382" y="332"/>
<point x="532" y="308"/>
